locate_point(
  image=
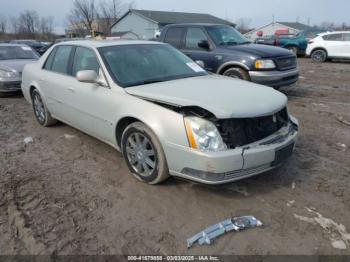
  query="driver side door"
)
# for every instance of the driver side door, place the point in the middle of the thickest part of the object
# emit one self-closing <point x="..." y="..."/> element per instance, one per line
<point x="90" y="104"/>
<point x="193" y="36"/>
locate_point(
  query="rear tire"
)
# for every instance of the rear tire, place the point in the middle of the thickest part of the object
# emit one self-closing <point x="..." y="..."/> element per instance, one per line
<point x="319" y="56"/>
<point x="144" y="154"/>
<point x="238" y="73"/>
<point x="42" y="114"/>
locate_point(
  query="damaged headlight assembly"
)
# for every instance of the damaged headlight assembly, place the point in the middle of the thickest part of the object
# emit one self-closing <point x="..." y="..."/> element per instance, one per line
<point x="203" y="135"/>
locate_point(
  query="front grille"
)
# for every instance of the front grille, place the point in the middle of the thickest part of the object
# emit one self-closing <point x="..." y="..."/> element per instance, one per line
<point x="285" y="63"/>
<point x="242" y="131"/>
<point x="13" y="85"/>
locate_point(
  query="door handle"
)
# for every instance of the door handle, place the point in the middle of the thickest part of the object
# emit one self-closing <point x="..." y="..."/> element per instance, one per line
<point x="71" y="89"/>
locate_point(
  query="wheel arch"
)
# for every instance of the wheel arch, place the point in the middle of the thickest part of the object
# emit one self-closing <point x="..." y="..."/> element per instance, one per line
<point x="228" y="65"/>
<point x="319" y="48"/>
<point x="121" y="125"/>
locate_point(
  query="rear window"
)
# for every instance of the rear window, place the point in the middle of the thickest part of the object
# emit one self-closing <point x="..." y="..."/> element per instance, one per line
<point x="17" y="52"/>
<point x="174" y="36"/>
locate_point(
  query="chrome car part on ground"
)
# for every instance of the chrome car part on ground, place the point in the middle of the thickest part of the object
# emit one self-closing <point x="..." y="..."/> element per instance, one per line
<point x="207" y="236"/>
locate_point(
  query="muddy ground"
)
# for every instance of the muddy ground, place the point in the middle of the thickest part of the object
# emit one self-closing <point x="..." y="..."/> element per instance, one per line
<point x="68" y="193"/>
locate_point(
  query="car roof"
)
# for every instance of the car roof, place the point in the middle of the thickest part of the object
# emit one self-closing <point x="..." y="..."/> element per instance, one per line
<point x="195" y="24"/>
<point x="334" y="32"/>
<point x="104" y="43"/>
<point x="12" y="44"/>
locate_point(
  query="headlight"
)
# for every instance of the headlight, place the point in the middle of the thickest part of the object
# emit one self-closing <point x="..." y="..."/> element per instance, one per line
<point x="264" y="64"/>
<point x="7" y="74"/>
<point x="203" y="135"/>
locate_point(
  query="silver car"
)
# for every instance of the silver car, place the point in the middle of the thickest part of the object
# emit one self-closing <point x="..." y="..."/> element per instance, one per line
<point x="161" y="110"/>
<point x="12" y="60"/>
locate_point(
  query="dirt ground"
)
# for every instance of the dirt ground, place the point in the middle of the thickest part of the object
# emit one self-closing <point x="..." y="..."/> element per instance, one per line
<point x="68" y="193"/>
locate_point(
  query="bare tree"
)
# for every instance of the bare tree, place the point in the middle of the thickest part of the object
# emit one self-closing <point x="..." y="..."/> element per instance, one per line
<point x="28" y="22"/>
<point x="46" y="25"/>
<point x="83" y="14"/>
<point x="242" y="25"/>
<point x="3" y="24"/>
<point x="327" y="25"/>
<point x="109" y="13"/>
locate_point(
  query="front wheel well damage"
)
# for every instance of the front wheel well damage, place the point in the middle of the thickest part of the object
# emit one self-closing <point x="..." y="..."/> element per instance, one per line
<point x="31" y="89"/>
<point x="222" y="70"/>
<point x="122" y="124"/>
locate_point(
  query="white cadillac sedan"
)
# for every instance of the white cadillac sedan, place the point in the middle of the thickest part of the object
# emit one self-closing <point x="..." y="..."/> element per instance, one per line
<point x="161" y="110"/>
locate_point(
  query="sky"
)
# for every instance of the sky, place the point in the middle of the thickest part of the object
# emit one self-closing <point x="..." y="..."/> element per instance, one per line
<point x="258" y="12"/>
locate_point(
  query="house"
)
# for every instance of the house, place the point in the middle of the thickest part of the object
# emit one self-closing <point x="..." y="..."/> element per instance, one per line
<point x="277" y="27"/>
<point x="146" y="24"/>
<point x="123" y="35"/>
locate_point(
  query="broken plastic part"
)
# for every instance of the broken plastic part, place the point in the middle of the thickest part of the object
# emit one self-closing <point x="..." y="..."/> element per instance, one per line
<point x="214" y="231"/>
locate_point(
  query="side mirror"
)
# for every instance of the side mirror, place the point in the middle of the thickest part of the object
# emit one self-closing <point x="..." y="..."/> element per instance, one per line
<point x="204" y="44"/>
<point x="87" y="76"/>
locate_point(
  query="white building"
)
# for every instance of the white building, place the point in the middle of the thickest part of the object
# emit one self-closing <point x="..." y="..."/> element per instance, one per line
<point x="146" y="24"/>
<point x="272" y="28"/>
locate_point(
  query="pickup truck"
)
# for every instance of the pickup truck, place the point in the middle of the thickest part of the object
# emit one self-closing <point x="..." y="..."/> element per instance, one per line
<point x="223" y="50"/>
<point x="296" y="43"/>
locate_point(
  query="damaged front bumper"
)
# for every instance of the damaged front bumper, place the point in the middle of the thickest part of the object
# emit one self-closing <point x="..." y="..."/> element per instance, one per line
<point x="231" y="165"/>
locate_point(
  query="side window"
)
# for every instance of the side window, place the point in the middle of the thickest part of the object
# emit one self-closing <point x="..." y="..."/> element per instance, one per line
<point x="85" y="59"/>
<point x="49" y="60"/>
<point x="334" y="37"/>
<point x="174" y="36"/>
<point x="61" y="59"/>
<point x="193" y="37"/>
<point x="347" y="37"/>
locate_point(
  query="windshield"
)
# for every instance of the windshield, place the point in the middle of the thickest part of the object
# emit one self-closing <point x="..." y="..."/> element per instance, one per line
<point x="17" y="52"/>
<point x="226" y="35"/>
<point x="132" y="65"/>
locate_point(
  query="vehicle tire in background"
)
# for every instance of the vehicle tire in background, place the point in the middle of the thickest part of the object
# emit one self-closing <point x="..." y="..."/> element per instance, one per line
<point x="294" y="49"/>
<point x="319" y="55"/>
<point x="144" y="154"/>
<point x="41" y="112"/>
<point x="236" y="72"/>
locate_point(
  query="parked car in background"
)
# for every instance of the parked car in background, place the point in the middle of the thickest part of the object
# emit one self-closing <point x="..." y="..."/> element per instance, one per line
<point x="223" y="50"/>
<point x="296" y="43"/>
<point x="166" y="114"/>
<point x="329" y="45"/>
<point x="36" y="45"/>
<point x="12" y="60"/>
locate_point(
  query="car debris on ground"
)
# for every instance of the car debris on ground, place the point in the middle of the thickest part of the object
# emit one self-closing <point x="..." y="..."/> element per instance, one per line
<point x="28" y="140"/>
<point x="210" y="233"/>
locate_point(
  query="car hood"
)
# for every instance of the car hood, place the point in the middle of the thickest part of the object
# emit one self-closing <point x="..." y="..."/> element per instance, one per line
<point x="259" y="51"/>
<point x="223" y="96"/>
<point x="15" y="65"/>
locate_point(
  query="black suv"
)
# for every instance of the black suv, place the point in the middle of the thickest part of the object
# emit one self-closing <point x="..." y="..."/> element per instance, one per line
<point x="223" y="50"/>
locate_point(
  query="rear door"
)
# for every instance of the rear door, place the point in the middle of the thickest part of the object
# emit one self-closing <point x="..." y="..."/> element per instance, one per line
<point x="335" y="45"/>
<point x="89" y="104"/>
<point x="193" y="36"/>
<point x="55" y="80"/>
<point x="346" y="39"/>
<point x="174" y="36"/>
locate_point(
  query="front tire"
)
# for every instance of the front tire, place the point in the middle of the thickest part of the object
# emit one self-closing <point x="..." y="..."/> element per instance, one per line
<point x="42" y="114"/>
<point x="144" y="154"/>
<point x="294" y="49"/>
<point x="238" y="73"/>
<point x="319" y="56"/>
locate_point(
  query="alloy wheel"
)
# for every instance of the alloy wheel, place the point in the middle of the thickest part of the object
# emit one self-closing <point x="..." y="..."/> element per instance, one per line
<point x="140" y="154"/>
<point x="39" y="108"/>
